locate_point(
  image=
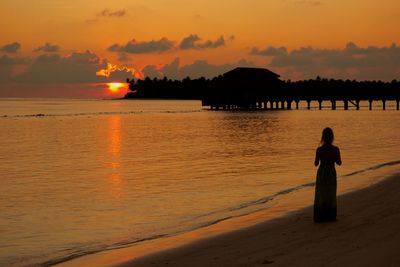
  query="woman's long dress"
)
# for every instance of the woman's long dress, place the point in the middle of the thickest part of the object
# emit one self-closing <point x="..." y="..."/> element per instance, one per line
<point x="325" y="193"/>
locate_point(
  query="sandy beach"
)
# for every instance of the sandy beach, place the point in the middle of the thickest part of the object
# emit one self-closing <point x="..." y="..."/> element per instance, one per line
<point x="367" y="233"/>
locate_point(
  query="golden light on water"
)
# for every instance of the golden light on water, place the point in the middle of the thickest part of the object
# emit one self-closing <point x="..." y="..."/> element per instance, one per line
<point x="115" y="87"/>
<point x="115" y="175"/>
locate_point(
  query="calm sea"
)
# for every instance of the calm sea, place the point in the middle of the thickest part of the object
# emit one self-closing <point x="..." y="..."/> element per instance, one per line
<point x="80" y="176"/>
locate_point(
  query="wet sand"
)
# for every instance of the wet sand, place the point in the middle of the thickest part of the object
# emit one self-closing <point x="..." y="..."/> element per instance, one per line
<point x="367" y="233"/>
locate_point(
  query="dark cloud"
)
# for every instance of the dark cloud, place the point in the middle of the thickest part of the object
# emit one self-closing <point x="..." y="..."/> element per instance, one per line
<point x="6" y="60"/>
<point x="352" y="61"/>
<point x="197" y="69"/>
<point x="48" y="48"/>
<point x="188" y="42"/>
<point x="107" y="13"/>
<point x="203" y="68"/>
<point x="53" y="68"/>
<point x="171" y="70"/>
<point x="152" y="71"/>
<point x="134" y="47"/>
<point x="79" y="67"/>
<point x="349" y="62"/>
<point x="7" y="64"/>
<point x="66" y="90"/>
<point x="350" y="56"/>
<point x="193" y="42"/>
<point x="304" y="2"/>
<point x="11" y="48"/>
<point x="269" y="51"/>
<point x="309" y="3"/>
<point x="123" y="57"/>
<point x="110" y="13"/>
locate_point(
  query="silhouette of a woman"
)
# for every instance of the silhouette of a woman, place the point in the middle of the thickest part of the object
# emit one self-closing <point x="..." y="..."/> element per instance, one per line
<point x="325" y="187"/>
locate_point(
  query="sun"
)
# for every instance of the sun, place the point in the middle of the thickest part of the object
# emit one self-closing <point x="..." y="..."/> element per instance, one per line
<point x="114" y="87"/>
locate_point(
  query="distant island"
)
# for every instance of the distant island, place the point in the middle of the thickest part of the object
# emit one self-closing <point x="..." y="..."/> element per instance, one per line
<point x="258" y="88"/>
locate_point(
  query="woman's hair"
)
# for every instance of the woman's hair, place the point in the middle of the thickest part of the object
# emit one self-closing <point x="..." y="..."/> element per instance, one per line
<point x="327" y="136"/>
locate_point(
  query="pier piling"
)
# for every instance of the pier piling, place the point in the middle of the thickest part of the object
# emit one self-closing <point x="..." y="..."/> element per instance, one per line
<point x="333" y="102"/>
<point x="346" y="104"/>
<point x="289" y="104"/>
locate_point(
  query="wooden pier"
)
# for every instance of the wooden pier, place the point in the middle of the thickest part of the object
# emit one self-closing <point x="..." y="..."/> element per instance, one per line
<point x="261" y="89"/>
<point x="295" y="104"/>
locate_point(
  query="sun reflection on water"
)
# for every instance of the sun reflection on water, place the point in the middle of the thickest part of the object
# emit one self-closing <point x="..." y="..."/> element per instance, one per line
<point x="115" y="177"/>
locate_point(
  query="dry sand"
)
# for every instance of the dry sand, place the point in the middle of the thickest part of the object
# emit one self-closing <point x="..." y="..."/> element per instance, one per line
<point x="367" y="233"/>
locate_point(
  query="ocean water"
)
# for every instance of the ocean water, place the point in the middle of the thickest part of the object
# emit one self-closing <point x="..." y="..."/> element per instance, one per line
<point x="82" y="176"/>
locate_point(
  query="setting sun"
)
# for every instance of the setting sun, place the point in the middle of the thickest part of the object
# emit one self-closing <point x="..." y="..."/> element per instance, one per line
<point x="115" y="87"/>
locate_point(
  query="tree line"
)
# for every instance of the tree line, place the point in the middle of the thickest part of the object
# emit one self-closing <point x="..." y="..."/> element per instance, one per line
<point x="318" y="88"/>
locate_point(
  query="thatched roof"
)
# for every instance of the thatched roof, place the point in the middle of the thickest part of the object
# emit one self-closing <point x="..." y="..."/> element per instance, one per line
<point x="248" y="74"/>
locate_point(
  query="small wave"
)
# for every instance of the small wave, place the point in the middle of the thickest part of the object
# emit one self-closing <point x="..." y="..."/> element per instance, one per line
<point x="98" y="113"/>
<point x="296" y="188"/>
<point x="80" y="253"/>
<point x="268" y="198"/>
<point x="375" y="167"/>
<point x="87" y="251"/>
<point x="252" y="203"/>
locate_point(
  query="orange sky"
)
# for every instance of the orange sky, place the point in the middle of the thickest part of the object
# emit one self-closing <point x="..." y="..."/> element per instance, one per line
<point x="290" y="23"/>
<point x="95" y="25"/>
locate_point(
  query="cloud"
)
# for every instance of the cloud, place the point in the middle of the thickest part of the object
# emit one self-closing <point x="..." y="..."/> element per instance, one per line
<point x="269" y="51"/>
<point x="188" y="42"/>
<point x="193" y="42"/>
<point x="66" y="90"/>
<point x="171" y="70"/>
<point x="134" y="47"/>
<point x="123" y="57"/>
<point x="53" y="68"/>
<point x="152" y="71"/>
<point x="350" y="56"/>
<point x="11" y="48"/>
<point x="352" y="61"/>
<point x="79" y="67"/>
<point x="107" y="13"/>
<point x="116" y="13"/>
<point x="6" y="60"/>
<point x="119" y="73"/>
<point x="7" y="65"/>
<point x="199" y="68"/>
<point x="303" y="2"/>
<point x="48" y="48"/>
<point x="309" y="3"/>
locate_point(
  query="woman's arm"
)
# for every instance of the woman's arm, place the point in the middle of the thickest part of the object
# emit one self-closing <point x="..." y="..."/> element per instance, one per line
<point x="316" y="161"/>
<point x="338" y="158"/>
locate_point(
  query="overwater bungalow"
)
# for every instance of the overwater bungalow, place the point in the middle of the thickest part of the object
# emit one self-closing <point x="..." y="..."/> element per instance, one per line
<point x="244" y="88"/>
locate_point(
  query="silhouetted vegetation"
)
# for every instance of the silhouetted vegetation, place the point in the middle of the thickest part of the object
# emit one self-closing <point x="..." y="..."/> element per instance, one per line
<point x="259" y="85"/>
<point x="168" y="89"/>
<point x="331" y="89"/>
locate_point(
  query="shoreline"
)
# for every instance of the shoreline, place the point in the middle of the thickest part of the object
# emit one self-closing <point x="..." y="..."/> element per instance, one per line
<point x="243" y="241"/>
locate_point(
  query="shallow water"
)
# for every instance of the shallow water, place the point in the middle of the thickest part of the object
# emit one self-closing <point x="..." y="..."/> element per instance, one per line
<point x="80" y="176"/>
